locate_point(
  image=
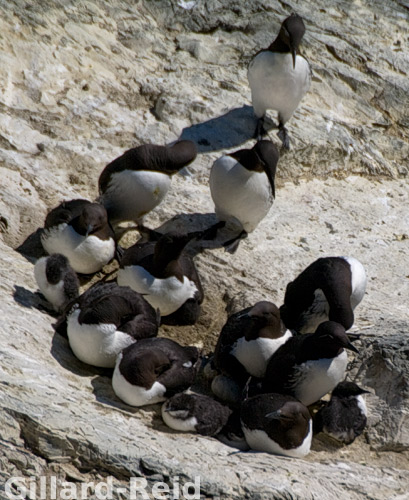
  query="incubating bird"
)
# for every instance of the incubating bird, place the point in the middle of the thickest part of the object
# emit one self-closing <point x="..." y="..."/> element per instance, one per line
<point x="137" y="181"/>
<point x="80" y="230"/>
<point x="242" y="188"/>
<point x="328" y="289"/>
<point x="247" y="341"/>
<point x="344" y="416"/>
<point x="106" y="319"/>
<point x="56" y="280"/>
<point x="153" y="370"/>
<point x="279" y="77"/>
<point x="278" y="424"/>
<point x="311" y="365"/>
<point x="195" y="413"/>
<point x="166" y="276"/>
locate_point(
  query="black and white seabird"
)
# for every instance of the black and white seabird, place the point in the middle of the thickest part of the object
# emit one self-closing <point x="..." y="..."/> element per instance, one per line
<point x="344" y="416"/>
<point x="195" y="413"/>
<point x="80" y="230"/>
<point x="246" y="343"/>
<point x="56" y="280"/>
<point x="152" y="370"/>
<point x="328" y="289"/>
<point x="279" y="77"/>
<point x="242" y="187"/>
<point x="166" y="276"/>
<point x="106" y="319"/>
<point x="137" y="181"/>
<point x="278" y="424"/>
<point x="311" y="365"/>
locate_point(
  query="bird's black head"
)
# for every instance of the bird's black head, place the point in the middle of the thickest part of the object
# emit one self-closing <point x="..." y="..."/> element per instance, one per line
<point x="291" y="33"/>
<point x="292" y="413"/>
<point x="347" y="389"/>
<point x="93" y="218"/>
<point x="332" y="335"/>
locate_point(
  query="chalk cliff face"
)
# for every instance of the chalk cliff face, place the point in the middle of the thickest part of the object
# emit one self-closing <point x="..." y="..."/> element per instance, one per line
<point x="80" y="82"/>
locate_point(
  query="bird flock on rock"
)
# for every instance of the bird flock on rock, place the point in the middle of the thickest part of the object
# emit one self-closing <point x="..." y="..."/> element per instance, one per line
<point x="270" y="363"/>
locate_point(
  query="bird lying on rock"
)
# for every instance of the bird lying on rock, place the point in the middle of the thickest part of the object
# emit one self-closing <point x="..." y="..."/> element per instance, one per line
<point x="152" y="370"/>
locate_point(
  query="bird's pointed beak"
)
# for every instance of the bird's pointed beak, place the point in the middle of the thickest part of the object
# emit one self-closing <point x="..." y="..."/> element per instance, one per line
<point x="274" y="415"/>
<point x="351" y="347"/>
<point x="90" y="228"/>
<point x="294" y="54"/>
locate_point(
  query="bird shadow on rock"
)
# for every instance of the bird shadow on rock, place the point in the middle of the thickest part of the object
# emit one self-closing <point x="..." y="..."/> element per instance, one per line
<point x="33" y="300"/>
<point x="224" y="132"/>
<point x="32" y="248"/>
<point x="192" y="222"/>
<point x="61" y="352"/>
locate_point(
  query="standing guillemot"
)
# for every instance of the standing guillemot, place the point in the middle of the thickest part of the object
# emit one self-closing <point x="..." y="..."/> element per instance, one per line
<point x="80" y="230"/>
<point x="166" y="275"/>
<point x="195" y="413"/>
<point x="242" y="187"/>
<point x="56" y="280"/>
<point x="153" y="370"/>
<point x="279" y="77"/>
<point x="136" y="182"/>
<point x="311" y="365"/>
<point x="328" y="289"/>
<point x="277" y="423"/>
<point x="344" y="416"/>
<point x="106" y="319"/>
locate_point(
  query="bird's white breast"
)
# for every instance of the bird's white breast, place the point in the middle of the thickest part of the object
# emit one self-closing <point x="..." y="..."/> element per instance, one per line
<point x="86" y="254"/>
<point x="133" y="193"/>
<point x="239" y="193"/>
<point x="176" y="420"/>
<point x="259" y="440"/>
<point x="255" y="354"/>
<point x="276" y="85"/>
<point x="167" y="294"/>
<point x="358" y="281"/>
<point x="315" y="378"/>
<point x="53" y="293"/>
<point x="135" y="395"/>
<point x="98" y="344"/>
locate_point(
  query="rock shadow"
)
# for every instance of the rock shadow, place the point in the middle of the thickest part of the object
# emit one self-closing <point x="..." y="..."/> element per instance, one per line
<point x="224" y="132"/>
<point x="61" y="352"/>
<point x="33" y="300"/>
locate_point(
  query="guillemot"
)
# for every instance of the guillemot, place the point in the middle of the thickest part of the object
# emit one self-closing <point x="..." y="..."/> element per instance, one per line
<point x="166" y="275"/>
<point x="328" y="289"/>
<point x="279" y="77"/>
<point x="80" y="230"/>
<point x="242" y="188"/>
<point x="311" y="365"/>
<point x="278" y="424"/>
<point x="137" y="181"/>
<point x="106" y="319"/>
<point x="56" y="280"/>
<point x="248" y="340"/>
<point x="344" y="416"/>
<point x="152" y="370"/>
<point x="195" y="413"/>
